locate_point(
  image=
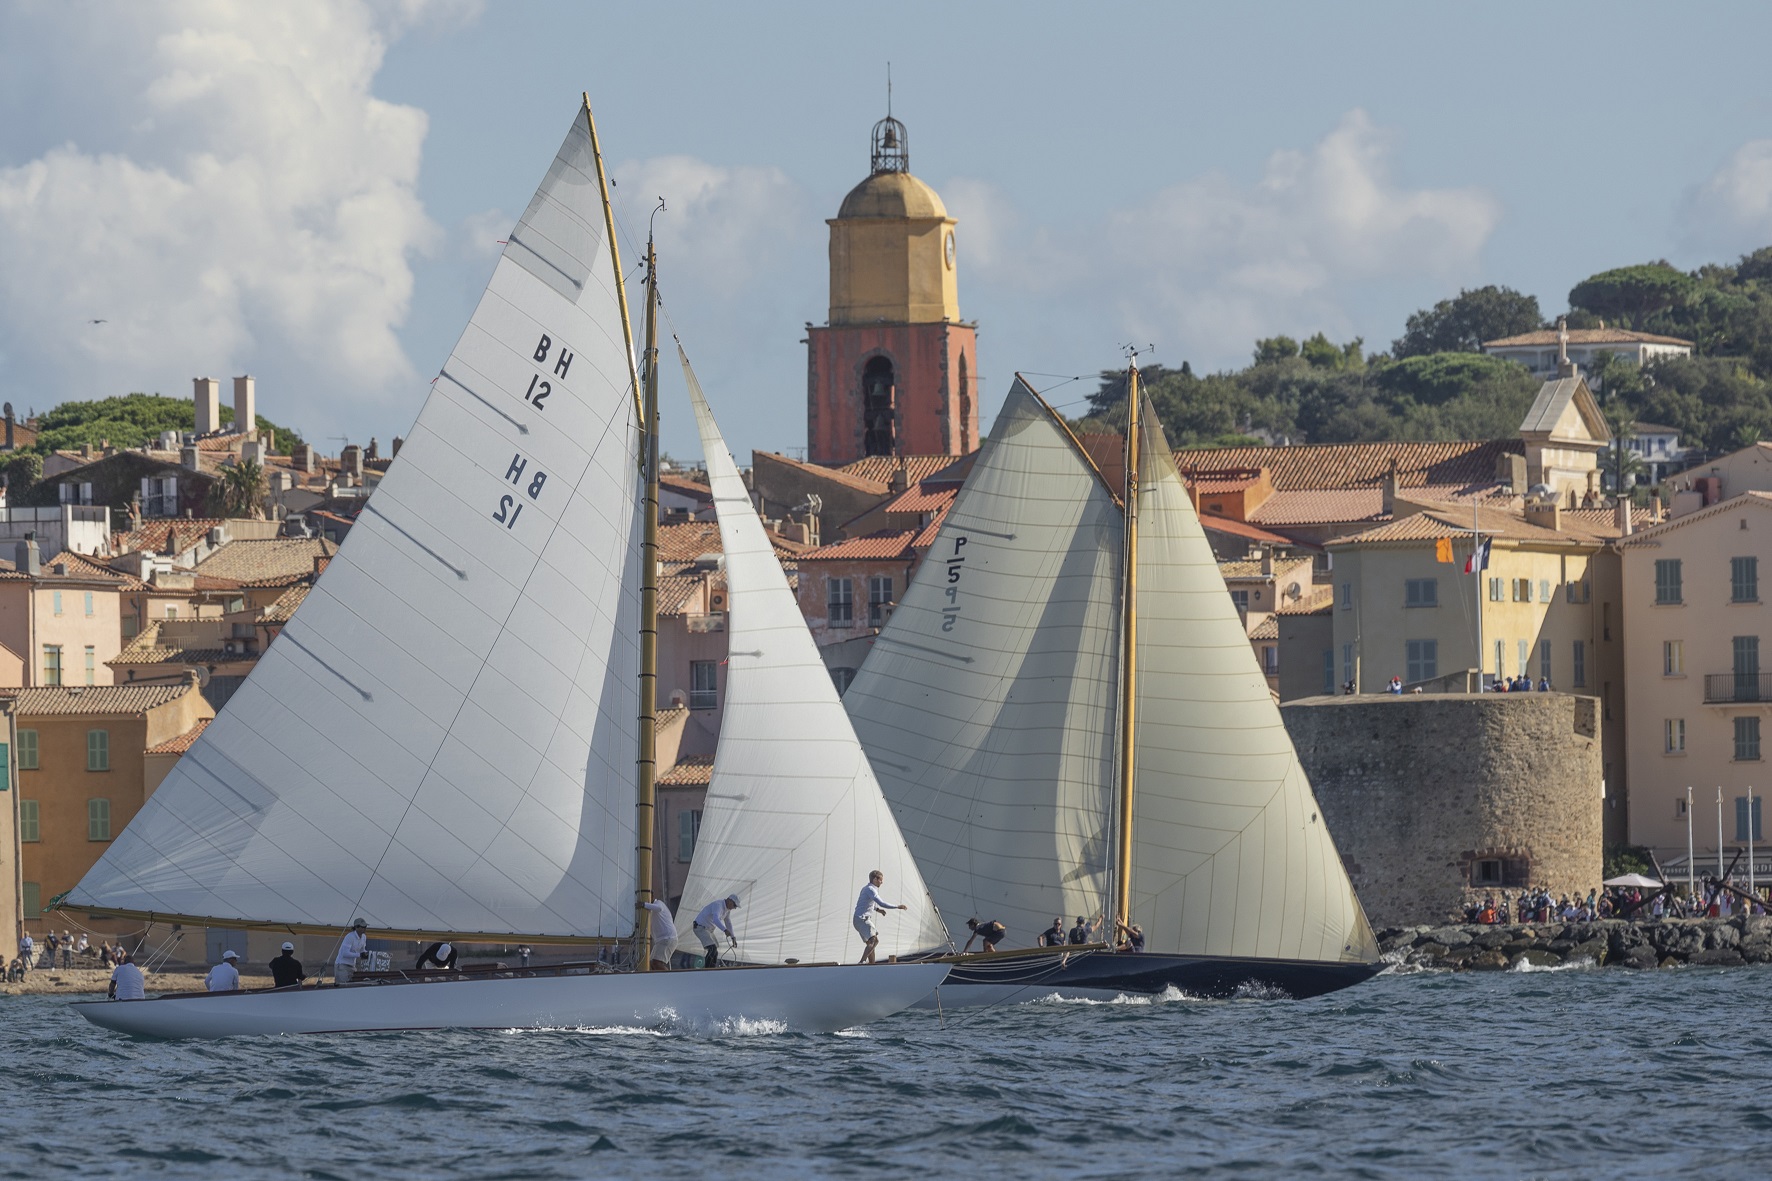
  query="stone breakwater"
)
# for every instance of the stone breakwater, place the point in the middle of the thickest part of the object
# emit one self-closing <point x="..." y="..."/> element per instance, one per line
<point x="1656" y="943"/>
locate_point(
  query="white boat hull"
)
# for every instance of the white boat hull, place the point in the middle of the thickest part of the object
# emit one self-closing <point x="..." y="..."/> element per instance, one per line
<point x="816" y="999"/>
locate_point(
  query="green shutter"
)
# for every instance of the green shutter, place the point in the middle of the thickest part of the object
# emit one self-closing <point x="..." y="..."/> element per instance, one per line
<point x="27" y="750"/>
<point x="29" y="828"/>
<point x="98" y="750"/>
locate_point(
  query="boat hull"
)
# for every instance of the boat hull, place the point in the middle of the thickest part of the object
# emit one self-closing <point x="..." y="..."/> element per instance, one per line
<point x="1106" y="975"/>
<point x="810" y="999"/>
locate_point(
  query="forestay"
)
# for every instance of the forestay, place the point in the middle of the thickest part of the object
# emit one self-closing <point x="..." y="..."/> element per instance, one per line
<point x="987" y="703"/>
<point x="794" y="819"/>
<point x="1230" y="853"/>
<point x="443" y="738"/>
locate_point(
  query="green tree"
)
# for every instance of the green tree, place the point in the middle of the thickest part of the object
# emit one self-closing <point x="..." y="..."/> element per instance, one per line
<point x="1275" y="348"/>
<point x="240" y="490"/>
<point x="1630" y="296"/>
<point x="24" y="470"/>
<point x="1462" y="325"/>
<point x="129" y="421"/>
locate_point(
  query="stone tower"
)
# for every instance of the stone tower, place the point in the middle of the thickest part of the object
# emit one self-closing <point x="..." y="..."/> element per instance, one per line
<point x="894" y="369"/>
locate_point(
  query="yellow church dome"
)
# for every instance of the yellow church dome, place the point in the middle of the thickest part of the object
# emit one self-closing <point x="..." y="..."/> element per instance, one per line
<point x="891" y="194"/>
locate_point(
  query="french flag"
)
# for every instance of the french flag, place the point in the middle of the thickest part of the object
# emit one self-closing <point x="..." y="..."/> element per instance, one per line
<point x="1479" y="559"/>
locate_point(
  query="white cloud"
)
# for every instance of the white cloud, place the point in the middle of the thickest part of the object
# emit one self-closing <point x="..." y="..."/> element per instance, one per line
<point x="1732" y="210"/>
<point x="722" y="226"/>
<point x="252" y="206"/>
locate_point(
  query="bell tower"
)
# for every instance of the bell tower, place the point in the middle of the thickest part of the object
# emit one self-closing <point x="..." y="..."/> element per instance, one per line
<point x="893" y="371"/>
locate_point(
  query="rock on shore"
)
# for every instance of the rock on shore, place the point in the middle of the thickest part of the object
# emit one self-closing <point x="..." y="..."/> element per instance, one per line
<point x="1650" y="943"/>
<point x="88" y="980"/>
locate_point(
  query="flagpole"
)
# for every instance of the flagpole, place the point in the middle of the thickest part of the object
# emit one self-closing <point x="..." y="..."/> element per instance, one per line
<point x="1477" y="574"/>
<point x="1719" y="834"/>
<point x="1691" y="857"/>
<point x="1750" y="839"/>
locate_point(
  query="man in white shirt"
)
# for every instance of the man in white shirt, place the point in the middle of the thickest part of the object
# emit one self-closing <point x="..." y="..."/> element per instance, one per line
<point x="664" y="935"/>
<point x="866" y="907"/>
<point x="224" y="977"/>
<point x="710" y="922"/>
<point x="351" y="949"/>
<point x="126" y="981"/>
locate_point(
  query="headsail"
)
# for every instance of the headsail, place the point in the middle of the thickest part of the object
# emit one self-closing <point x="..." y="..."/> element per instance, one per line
<point x="987" y="703"/>
<point x="794" y="819"/>
<point x="1230" y="853"/>
<point x="443" y="738"/>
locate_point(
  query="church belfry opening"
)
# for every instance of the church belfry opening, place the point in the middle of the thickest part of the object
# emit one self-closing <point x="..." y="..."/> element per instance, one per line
<point x="891" y="370"/>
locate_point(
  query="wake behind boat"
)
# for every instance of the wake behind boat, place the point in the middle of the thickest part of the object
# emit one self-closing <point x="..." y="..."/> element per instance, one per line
<point x="446" y="739"/>
<point x="1067" y="717"/>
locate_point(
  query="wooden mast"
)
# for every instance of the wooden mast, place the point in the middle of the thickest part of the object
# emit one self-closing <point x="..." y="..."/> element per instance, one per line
<point x="1128" y="651"/>
<point x="646" y="407"/>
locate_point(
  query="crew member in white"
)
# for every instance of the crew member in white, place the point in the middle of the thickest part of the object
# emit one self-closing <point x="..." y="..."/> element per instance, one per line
<point x="710" y="922"/>
<point x="224" y="977"/>
<point x="866" y="907"/>
<point x="353" y="947"/>
<point x="664" y="935"/>
<point x="126" y="981"/>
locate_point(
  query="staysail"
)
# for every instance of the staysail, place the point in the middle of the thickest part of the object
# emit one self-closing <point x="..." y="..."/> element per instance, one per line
<point x="443" y="738"/>
<point x="987" y="703"/>
<point x="1230" y="855"/>
<point x="794" y="819"/>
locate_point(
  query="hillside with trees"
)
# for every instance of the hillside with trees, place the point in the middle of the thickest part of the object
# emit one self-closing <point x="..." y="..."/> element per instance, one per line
<point x="1435" y="384"/>
<point x="129" y="421"/>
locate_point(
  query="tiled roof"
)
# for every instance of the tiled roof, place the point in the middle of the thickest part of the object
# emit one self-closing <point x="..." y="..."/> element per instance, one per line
<point x="287" y="602"/>
<point x="153" y="535"/>
<point x="221" y="442"/>
<point x="1241" y="569"/>
<point x="1209" y="487"/>
<point x="675" y="591"/>
<point x="662" y="718"/>
<point x="880" y="468"/>
<point x="687" y="541"/>
<point x="147" y="649"/>
<point x="1547" y="337"/>
<point x="1320" y="506"/>
<point x="1267" y="629"/>
<point x="690" y="771"/>
<point x="1356" y="465"/>
<point x="96" y="699"/>
<point x="79" y="569"/>
<point x="179" y="745"/>
<point x="836" y="474"/>
<point x="1321" y="599"/>
<point x="887" y="543"/>
<point x="685" y="486"/>
<point x="1507" y="526"/>
<point x="1239" y="529"/>
<point x="1734" y="503"/>
<point x="922" y="498"/>
<point x="276" y="561"/>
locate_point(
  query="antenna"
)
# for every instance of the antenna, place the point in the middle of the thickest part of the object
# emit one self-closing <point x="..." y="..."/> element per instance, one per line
<point x="1132" y="351"/>
<point x="889" y="90"/>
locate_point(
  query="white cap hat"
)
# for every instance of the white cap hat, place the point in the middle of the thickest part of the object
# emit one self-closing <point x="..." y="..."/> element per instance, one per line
<point x="288" y="946"/>
<point x="230" y="955"/>
<point x="732" y="900"/>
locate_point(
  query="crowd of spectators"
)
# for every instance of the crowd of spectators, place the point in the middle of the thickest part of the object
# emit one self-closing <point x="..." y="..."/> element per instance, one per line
<point x="61" y="949"/>
<point x="1535" y="904"/>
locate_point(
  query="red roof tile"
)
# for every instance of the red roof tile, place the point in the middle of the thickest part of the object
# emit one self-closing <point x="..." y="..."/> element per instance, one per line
<point x="888" y="543"/>
<point x="1239" y="529"/>
<point x="1357" y="465"/>
<point x="179" y="745"/>
<point x="690" y="771"/>
<point x="880" y="468"/>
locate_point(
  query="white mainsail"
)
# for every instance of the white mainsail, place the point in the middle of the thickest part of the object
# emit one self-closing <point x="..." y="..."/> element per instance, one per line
<point x="1230" y="855"/>
<point x="443" y="738"/>
<point x="977" y="729"/>
<point x="987" y="703"/>
<point x="794" y="819"/>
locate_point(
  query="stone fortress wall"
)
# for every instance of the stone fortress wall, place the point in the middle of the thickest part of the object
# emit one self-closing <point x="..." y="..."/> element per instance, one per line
<point x="1424" y="793"/>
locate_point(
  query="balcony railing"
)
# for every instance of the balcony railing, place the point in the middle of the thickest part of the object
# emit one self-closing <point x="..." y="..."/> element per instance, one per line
<point x="1731" y="688"/>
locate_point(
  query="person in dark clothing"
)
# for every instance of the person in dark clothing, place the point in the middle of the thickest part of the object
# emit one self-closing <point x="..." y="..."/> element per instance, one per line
<point x="1080" y="932"/>
<point x="439" y="955"/>
<point x="286" y="970"/>
<point x="1130" y="938"/>
<point x="991" y="933"/>
<point x="1053" y="936"/>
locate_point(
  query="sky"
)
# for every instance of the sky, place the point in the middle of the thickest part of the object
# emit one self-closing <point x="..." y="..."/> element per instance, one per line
<point x="314" y="193"/>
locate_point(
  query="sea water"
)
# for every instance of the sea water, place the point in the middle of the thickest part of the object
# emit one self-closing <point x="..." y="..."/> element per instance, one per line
<point x="1569" y="1074"/>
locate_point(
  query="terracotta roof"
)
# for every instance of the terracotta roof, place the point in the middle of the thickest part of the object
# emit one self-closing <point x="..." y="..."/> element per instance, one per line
<point x="687" y="541"/>
<point x="287" y="602"/>
<point x="1734" y="503"/>
<point x="221" y="442"/>
<point x="686" y="486"/>
<point x="1267" y="629"/>
<point x="662" y="718"/>
<point x="1241" y="569"/>
<point x="1455" y="523"/>
<point x="690" y="771"/>
<point x="276" y="561"/>
<point x="1356" y="465"/>
<point x="1210" y="487"/>
<point x="1240" y="529"/>
<point x="1547" y="337"/>
<point x="917" y="468"/>
<point x="96" y="699"/>
<point x="675" y="591"/>
<point x="154" y="536"/>
<point x="922" y="498"/>
<point x="837" y="474"/>
<point x="1321" y="599"/>
<point x="79" y="569"/>
<point x="1320" y="506"/>
<point x="887" y="543"/>
<point x="147" y="649"/>
<point x="179" y="745"/>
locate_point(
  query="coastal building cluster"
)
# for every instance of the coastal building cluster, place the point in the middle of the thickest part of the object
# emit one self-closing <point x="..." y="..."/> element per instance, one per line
<point x="130" y="610"/>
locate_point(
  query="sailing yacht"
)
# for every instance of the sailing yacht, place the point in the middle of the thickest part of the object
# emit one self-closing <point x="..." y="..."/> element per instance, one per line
<point x="446" y="739"/>
<point x="1068" y="720"/>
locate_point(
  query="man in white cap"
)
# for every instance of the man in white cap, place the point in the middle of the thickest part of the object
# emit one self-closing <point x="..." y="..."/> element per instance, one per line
<point x="286" y="970"/>
<point x="352" y="948"/>
<point x="710" y="922"/>
<point x="126" y="980"/>
<point x="224" y="977"/>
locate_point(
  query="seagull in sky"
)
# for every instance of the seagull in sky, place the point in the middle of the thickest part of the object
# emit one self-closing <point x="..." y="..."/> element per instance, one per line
<point x="98" y="321"/>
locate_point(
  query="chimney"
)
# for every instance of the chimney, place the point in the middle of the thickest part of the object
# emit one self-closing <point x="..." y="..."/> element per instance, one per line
<point x="303" y="455"/>
<point x="1390" y="490"/>
<point x="373" y="451"/>
<point x="351" y="459"/>
<point x="1565" y="367"/>
<point x="269" y="440"/>
<point x="86" y="451"/>
<point x="1624" y="516"/>
<point x="1546" y="514"/>
<point x="398" y="443"/>
<point x="252" y="451"/>
<point x="207" y="393"/>
<point x="1267" y="560"/>
<point x="26" y="559"/>
<point x="245" y="407"/>
<point x="901" y="479"/>
<point x="9" y="425"/>
<point x="187" y="456"/>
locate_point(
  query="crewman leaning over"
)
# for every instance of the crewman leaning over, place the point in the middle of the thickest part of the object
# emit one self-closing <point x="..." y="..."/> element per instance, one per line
<point x="351" y="949"/>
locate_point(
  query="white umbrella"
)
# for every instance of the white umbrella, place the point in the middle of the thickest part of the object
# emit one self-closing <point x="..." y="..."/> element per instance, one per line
<point x="1632" y="879"/>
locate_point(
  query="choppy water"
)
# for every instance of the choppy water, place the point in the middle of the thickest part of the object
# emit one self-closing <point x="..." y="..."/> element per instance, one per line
<point x="1568" y="1074"/>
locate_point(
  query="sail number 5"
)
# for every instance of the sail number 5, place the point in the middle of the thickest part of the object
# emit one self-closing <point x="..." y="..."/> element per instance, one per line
<point x="955" y="563"/>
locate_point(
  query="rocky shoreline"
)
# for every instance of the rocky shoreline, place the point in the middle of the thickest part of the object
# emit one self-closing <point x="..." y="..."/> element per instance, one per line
<point x="1650" y="943"/>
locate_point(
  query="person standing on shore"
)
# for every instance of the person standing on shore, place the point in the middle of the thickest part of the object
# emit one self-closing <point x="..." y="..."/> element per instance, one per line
<point x="126" y="981"/>
<point x="27" y="951"/>
<point x="866" y="906"/>
<point x="351" y="950"/>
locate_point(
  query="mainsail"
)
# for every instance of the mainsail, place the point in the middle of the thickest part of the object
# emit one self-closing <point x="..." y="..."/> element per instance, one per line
<point x="987" y="703"/>
<point x="794" y="819"/>
<point x="443" y="738"/>
<point x="993" y="734"/>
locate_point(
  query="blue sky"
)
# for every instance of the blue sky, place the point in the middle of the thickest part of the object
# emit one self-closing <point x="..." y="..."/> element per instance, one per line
<point x="314" y="192"/>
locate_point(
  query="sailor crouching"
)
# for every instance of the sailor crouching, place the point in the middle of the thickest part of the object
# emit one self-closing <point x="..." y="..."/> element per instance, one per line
<point x="710" y="922"/>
